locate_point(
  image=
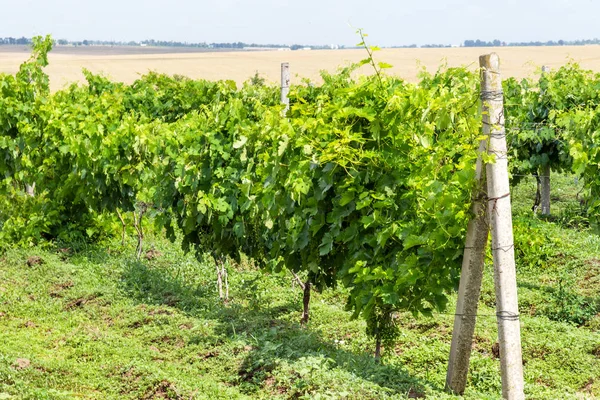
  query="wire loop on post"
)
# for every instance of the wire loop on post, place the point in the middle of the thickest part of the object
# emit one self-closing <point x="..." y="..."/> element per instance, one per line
<point x="507" y="316"/>
<point x="499" y="197"/>
<point x="504" y="248"/>
<point x="501" y="315"/>
<point x="492" y="95"/>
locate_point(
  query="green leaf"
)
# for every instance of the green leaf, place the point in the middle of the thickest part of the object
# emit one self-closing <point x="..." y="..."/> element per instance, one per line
<point x="412" y="241"/>
<point x="326" y="244"/>
<point x="240" y="143"/>
<point x="347" y="197"/>
<point x="424" y="141"/>
<point x="367" y="220"/>
<point x="364" y="202"/>
<point x="282" y="146"/>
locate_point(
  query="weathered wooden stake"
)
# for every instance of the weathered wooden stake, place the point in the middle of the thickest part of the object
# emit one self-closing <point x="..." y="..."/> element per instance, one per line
<point x="470" y="286"/>
<point x="224" y="273"/>
<point x="219" y="280"/>
<point x="545" y="188"/>
<point x="306" y="303"/>
<point x="545" y="177"/>
<point x="285" y="85"/>
<point x="123" y="226"/>
<point x="139" y="227"/>
<point x="499" y="209"/>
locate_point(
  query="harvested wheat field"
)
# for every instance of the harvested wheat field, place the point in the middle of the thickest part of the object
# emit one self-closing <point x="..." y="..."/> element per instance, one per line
<point x="127" y="63"/>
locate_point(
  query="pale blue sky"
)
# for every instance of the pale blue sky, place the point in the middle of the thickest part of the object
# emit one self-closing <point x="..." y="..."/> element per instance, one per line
<point x="388" y="22"/>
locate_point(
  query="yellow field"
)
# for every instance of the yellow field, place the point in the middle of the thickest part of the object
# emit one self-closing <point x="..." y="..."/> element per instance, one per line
<point x="239" y="66"/>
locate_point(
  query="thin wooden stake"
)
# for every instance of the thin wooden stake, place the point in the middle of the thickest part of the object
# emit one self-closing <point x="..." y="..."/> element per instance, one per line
<point x="30" y="188"/>
<point x="285" y="86"/>
<point x="219" y="281"/>
<point x="499" y="209"/>
<point x="545" y="189"/>
<point x="224" y="273"/>
<point x="306" y="303"/>
<point x="545" y="176"/>
<point x="123" y="226"/>
<point x="538" y="193"/>
<point x="140" y="233"/>
<point x="470" y="285"/>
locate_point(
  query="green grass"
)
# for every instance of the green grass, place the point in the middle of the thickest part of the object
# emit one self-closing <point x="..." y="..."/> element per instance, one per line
<point x="97" y="324"/>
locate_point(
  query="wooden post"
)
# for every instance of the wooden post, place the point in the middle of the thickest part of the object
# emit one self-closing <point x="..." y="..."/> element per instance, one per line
<point x="219" y="280"/>
<point x="285" y="86"/>
<point x="545" y="188"/>
<point x="470" y="286"/>
<point x="545" y="177"/>
<point x="507" y="308"/>
<point x="30" y="187"/>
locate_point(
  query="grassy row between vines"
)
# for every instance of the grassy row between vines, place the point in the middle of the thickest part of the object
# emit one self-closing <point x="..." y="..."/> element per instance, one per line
<point x="89" y="321"/>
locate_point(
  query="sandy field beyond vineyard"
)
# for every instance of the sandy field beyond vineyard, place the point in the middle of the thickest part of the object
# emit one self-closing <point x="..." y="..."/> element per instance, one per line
<point x="126" y="64"/>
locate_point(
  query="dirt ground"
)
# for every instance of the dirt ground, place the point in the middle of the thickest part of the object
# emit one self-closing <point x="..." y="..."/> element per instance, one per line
<point x="128" y="63"/>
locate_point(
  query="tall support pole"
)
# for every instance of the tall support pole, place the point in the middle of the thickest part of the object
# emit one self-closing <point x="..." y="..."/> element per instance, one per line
<point x="30" y="187"/>
<point x="499" y="209"/>
<point x="545" y="188"/>
<point x="470" y="285"/>
<point x="285" y="86"/>
<point x="545" y="176"/>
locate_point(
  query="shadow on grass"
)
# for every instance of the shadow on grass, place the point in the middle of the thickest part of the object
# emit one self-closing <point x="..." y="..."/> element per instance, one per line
<point x="273" y="338"/>
<point x="563" y="304"/>
<point x="558" y="292"/>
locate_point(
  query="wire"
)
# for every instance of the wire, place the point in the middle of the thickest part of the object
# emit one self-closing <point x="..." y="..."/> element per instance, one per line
<point x="501" y="315"/>
<point x="504" y="249"/>
<point x="499" y="197"/>
<point x="500" y="155"/>
<point x="492" y="95"/>
<point x="531" y="176"/>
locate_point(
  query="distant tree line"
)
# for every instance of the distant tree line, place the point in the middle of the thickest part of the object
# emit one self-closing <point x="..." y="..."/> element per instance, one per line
<point x="164" y="43"/>
<point x="11" y="40"/>
<point x="497" y="43"/>
<point x="435" y="46"/>
<point x="482" y="43"/>
<point x="242" y="45"/>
